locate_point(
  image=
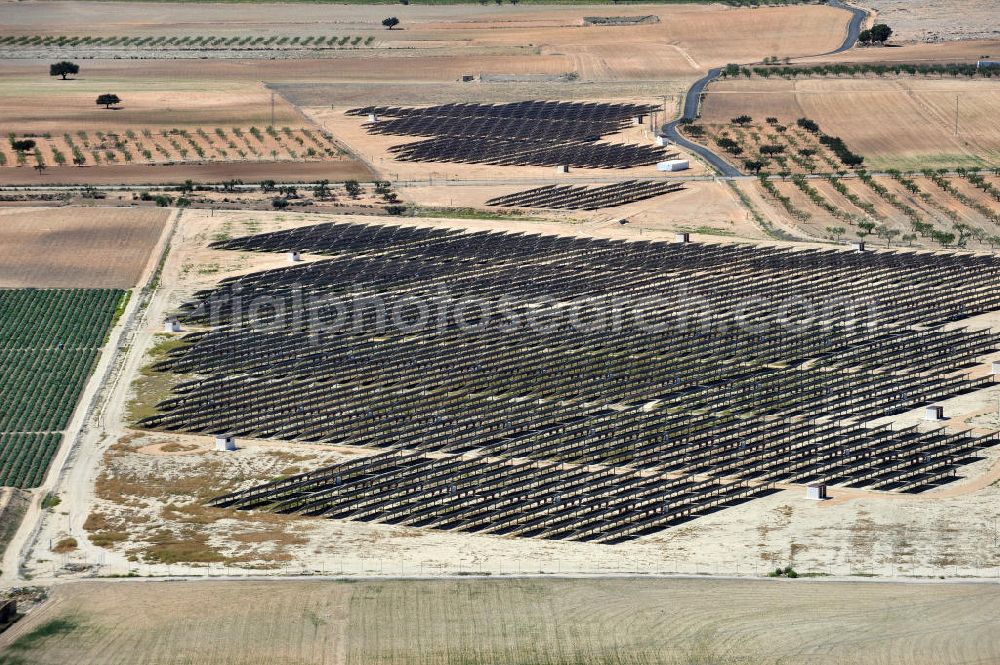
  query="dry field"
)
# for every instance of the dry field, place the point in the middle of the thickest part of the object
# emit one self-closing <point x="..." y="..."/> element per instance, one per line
<point x="895" y="123"/>
<point x="526" y="47"/>
<point x="934" y="20"/>
<point x="478" y="621"/>
<point x="707" y="34"/>
<point x="77" y="247"/>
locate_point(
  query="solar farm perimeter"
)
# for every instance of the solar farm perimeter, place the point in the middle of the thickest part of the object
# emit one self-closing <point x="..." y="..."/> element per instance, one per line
<point x="579" y="388"/>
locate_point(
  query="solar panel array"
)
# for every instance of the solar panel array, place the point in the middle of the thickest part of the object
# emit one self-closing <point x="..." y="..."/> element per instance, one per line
<point x="531" y="133"/>
<point x="582" y="197"/>
<point x="579" y="388"/>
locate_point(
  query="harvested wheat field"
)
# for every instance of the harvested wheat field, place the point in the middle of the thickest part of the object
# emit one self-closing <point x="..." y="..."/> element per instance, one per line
<point x="77" y="247"/>
<point x="895" y="123"/>
<point x="488" y="621"/>
<point x="713" y="34"/>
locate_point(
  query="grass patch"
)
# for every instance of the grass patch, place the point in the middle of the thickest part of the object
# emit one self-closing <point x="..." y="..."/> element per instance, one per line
<point x="169" y="547"/>
<point x="175" y="447"/>
<point x="926" y="161"/>
<point x="120" y="309"/>
<point x="65" y="545"/>
<point x="36" y="638"/>
<point x="151" y="387"/>
<point x="473" y="213"/>
<point x="707" y="230"/>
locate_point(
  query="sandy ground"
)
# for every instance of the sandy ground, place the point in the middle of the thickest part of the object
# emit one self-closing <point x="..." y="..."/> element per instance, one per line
<point x="902" y="123"/>
<point x="703" y="207"/>
<point x="76" y="247"/>
<point x="710" y="34"/>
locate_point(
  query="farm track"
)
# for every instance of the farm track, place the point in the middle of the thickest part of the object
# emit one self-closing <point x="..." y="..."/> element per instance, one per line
<point x="80" y="437"/>
<point x="692" y="99"/>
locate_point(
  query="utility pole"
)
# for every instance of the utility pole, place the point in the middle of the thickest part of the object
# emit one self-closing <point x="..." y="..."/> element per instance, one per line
<point x="272" y="108"/>
<point x="956" y="114"/>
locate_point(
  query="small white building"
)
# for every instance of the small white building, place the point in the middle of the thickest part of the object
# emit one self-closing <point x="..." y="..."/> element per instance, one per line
<point x="934" y="413"/>
<point x="858" y="246"/>
<point x="996" y="367"/>
<point x="225" y="442"/>
<point x="171" y="325"/>
<point x="673" y="165"/>
<point x="682" y="238"/>
<point x="816" y="491"/>
<point x="372" y="117"/>
<point x="562" y="168"/>
<point x="662" y="141"/>
<point x="294" y="256"/>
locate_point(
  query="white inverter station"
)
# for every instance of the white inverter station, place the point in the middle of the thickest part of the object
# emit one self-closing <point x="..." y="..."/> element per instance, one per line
<point x="673" y="165"/>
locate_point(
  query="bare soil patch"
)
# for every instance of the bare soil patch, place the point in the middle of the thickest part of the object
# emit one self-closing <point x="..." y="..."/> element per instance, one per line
<point x="154" y="174"/>
<point x="77" y="247"/>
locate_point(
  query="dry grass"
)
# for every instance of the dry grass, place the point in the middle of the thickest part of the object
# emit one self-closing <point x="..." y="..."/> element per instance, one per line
<point x="65" y="545"/>
<point x="467" y="622"/>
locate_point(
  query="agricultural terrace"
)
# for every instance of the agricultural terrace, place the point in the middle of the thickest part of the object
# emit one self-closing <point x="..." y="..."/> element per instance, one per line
<point x="177" y="45"/>
<point x="170" y="146"/>
<point x="488" y="621"/>
<point x="49" y="342"/>
<point x="584" y="432"/>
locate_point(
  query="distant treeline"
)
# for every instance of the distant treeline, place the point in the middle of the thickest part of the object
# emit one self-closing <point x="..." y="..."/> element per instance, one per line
<point x="859" y="69"/>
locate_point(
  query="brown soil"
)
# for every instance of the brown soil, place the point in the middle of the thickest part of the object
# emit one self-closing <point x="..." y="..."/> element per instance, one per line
<point x="77" y="247"/>
<point x="141" y="174"/>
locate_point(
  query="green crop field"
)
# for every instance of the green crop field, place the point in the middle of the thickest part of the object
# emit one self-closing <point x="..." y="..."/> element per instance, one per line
<point x="49" y="342"/>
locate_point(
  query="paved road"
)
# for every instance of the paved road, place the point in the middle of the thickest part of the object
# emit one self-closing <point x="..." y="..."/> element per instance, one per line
<point x="693" y="99"/>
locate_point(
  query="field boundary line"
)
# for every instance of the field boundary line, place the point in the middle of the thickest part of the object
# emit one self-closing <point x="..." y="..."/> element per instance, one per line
<point x="110" y="360"/>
